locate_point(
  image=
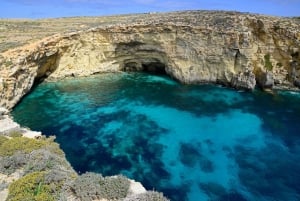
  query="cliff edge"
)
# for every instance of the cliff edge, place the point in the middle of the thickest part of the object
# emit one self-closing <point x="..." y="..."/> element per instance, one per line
<point x="33" y="167"/>
<point x="240" y="50"/>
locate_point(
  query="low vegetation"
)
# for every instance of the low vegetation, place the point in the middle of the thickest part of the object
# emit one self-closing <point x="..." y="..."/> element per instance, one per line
<point x="31" y="187"/>
<point x="9" y="147"/>
<point x="148" y="196"/>
<point x="268" y="63"/>
<point x="91" y="186"/>
<point x="47" y="176"/>
<point x="15" y="133"/>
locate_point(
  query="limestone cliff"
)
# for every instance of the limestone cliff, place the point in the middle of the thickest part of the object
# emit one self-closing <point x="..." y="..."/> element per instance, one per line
<point x="230" y="48"/>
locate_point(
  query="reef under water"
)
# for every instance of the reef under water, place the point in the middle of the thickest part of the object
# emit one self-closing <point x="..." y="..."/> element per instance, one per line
<point x="191" y="142"/>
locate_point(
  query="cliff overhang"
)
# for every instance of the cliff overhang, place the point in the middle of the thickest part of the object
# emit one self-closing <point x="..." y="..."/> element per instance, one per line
<point x="240" y="50"/>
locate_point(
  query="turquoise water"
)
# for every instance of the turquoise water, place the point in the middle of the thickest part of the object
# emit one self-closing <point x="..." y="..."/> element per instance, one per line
<point x="193" y="143"/>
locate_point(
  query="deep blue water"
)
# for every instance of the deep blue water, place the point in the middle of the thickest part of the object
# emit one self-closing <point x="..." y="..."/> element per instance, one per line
<point x="193" y="143"/>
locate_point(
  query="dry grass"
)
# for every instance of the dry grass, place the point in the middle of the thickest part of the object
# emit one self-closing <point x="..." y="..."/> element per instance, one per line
<point x="17" y="32"/>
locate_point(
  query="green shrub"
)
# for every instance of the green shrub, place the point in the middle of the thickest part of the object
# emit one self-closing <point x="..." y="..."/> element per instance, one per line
<point x="148" y="196"/>
<point x="23" y="144"/>
<point x="43" y="159"/>
<point x="8" y="63"/>
<point x="268" y="64"/>
<point x="115" y="187"/>
<point x="31" y="154"/>
<point x="91" y="186"/>
<point x="27" y="145"/>
<point x="2" y="139"/>
<point x="87" y="186"/>
<point x="9" y="164"/>
<point x="31" y="187"/>
<point x="38" y="186"/>
<point x="56" y="180"/>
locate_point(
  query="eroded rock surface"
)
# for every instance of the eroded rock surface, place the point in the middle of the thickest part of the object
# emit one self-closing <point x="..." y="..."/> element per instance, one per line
<point x="230" y="48"/>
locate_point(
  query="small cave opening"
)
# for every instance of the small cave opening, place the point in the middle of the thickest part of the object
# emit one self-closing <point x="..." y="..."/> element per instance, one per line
<point x="142" y="57"/>
<point x="157" y="68"/>
<point x="152" y="66"/>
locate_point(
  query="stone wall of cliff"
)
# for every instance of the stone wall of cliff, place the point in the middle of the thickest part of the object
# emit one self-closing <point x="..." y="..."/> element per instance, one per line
<point x="234" y="49"/>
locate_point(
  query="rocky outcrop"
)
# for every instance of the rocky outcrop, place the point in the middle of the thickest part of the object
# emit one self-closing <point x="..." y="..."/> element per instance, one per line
<point x="244" y="80"/>
<point x="234" y="49"/>
<point x="8" y="126"/>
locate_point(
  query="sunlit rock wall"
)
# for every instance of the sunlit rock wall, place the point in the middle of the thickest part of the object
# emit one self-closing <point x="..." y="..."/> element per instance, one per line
<point x="234" y="49"/>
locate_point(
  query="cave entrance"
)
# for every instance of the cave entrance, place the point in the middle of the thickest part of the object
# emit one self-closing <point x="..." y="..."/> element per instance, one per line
<point x="142" y="57"/>
<point x="153" y="66"/>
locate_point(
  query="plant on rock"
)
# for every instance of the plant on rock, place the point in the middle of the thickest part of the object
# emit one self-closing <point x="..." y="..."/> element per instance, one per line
<point x="27" y="145"/>
<point x="30" y="187"/>
<point x="91" y="186"/>
<point x="268" y="63"/>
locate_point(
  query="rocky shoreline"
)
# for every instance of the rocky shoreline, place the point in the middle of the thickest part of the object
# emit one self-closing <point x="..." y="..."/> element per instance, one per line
<point x="7" y="126"/>
<point x="13" y="169"/>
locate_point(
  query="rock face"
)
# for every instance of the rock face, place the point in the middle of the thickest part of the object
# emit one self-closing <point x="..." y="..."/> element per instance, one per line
<point x="234" y="49"/>
<point x="244" y="80"/>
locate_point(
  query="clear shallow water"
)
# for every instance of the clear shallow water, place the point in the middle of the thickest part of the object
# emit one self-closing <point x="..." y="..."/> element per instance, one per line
<point x="193" y="143"/>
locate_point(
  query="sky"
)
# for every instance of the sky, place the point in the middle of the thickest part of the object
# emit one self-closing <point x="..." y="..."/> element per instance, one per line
<point x="66" y="8"/>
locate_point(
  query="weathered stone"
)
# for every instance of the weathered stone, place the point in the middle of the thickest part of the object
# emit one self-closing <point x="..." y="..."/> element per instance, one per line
<point x="244" y="80"/>
<point x="31" y="134"/>
<point x="3" y="111"/>
<point x="8" y="125"/>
